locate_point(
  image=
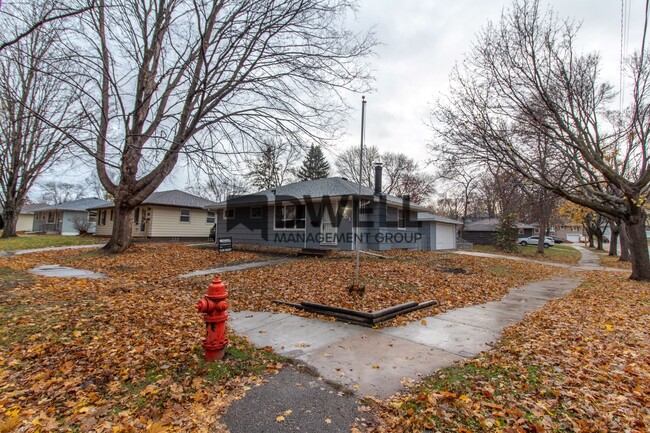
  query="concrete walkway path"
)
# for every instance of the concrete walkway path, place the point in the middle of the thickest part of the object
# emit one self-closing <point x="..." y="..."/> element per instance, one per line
<point x="589" y="260"/>
<point x="377" y="361"/>
<point x="65" y="272"/>
<point x="38" y="250"/>
<point x="237" y="267"/>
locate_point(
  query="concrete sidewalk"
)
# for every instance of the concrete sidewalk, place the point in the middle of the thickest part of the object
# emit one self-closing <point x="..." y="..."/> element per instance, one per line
<point x="38" y="250"/>
<point x="236" y="267"/>
<point x="377" y="361"/>
<point x="589" y="260"/>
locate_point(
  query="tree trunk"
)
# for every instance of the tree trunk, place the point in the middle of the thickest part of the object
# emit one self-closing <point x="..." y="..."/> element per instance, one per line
<point x="122" y="236"/>
<point x="542" y="234"/>
<point x="613" y="241"/>
<point x="599" y="242"/>
<point x="10" y="215"/>
<point x="638" y="243"/>
<point x="591" y="241"/>
<point x="10" y="219"/>
<point x="625" y="244"/>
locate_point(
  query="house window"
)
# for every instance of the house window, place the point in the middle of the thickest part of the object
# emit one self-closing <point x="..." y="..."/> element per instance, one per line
<point x="185" y="215"/>
<point x="111" y="214"/>
<point x="136" y="218"/>
<point x="256" y="212"/>
<point x="50" y="217"/>
<point x="228" y="214"/>
<point x="401" y="224"/>
<point x="92" y="216"/>
<point x="210" y="218"/>
<point x="290" y="217"/>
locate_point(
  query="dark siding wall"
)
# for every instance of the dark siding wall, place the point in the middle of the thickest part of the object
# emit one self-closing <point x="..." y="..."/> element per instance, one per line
<point x="480" y="238"/>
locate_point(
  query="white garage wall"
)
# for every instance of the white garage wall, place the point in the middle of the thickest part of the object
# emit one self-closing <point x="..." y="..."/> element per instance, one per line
<point x="445" y="236"/>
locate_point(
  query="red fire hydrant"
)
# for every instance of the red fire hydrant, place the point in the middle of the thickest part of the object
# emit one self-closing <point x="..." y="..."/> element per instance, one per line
<point x="213" y="306"/>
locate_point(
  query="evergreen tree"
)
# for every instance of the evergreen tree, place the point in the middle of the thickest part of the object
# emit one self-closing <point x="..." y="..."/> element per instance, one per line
<point x="507" y="233"/>
<point x="315" y="166"/>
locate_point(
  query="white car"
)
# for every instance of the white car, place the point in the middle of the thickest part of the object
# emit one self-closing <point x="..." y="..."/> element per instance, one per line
<point x="534" y="240"/>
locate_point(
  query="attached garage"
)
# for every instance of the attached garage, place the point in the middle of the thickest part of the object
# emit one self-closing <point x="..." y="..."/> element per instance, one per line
<point x="438" y="233"/>
<point x="573" y="238"/>
<point x="445" y="236"/>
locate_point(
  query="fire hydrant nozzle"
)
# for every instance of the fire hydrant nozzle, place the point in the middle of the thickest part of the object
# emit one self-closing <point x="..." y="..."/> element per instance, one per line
<point x="213" y="306"/>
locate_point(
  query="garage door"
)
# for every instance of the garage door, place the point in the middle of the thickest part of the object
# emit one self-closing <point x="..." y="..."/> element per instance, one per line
<point x="573" y="238"/>
<point x="445" y="236"/>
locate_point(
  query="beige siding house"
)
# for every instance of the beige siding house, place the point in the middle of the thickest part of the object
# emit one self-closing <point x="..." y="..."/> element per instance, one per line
<point x="164" y="215"/>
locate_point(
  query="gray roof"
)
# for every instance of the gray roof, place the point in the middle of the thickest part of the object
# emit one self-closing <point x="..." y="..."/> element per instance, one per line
<point x="491" y="225"/>
<point x="428" y="216"/>
<point x="173" y="197"/>
<point x="75" y="205"/>
<point x="30" y="208"/>
<point x="314" y="189"/>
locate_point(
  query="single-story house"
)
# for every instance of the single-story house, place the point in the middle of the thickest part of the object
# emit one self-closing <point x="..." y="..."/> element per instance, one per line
<point x="26" y="217"/>
<point x="331" y="213"/>
<point x="164" y="215"/>
<point x="484" y="232"/>
<point x="66" y="218"/>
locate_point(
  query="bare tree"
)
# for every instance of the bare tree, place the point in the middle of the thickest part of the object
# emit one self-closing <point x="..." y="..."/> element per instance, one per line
<point x="524" y="81"/>
<point x="46" y="12"/>
<point x="55" y="192"/>
<point x="401" y="174"/>
<point x="31" y="102"/>
<point x="274" y="165"/>
<point x="206" y="79"/>
<point x="220" y="189"/>
<point x="347" y="164"/>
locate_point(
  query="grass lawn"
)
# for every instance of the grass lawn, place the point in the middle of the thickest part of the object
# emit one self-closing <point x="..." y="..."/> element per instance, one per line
<point x="121" y="354"/>
<point x="582" y="363"/>
<point x="557" y="253"/>
<point x="43" y="241"/>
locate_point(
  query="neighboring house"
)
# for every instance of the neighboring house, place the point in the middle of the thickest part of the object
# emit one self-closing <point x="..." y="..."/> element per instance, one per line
<point x="572" y="232"/>
<point x="322" y="214"/>
<point x="164" y="215"/>
<point x="64" y="218"/>
<point x="484" y="232"/>
<point x="26" y="217"/>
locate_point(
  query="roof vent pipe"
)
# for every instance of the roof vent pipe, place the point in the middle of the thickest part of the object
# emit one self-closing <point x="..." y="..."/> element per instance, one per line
<point x="378" y="174"/>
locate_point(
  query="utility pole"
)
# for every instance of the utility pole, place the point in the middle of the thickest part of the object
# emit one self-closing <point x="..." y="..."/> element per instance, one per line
<point x="356" y="240"/>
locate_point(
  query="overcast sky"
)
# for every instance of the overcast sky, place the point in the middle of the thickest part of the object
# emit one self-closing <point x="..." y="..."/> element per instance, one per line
<point x="421" y="41"/>
<point x="424" y="38"/>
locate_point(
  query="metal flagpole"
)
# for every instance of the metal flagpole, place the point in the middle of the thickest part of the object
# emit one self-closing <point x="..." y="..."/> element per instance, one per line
<point x="356" y="240"/>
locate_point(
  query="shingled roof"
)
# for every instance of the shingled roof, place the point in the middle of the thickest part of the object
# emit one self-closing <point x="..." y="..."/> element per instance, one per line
<point x="173" y="197"/>
<point x="314" y="189"/>
<point x="75" y="205"/>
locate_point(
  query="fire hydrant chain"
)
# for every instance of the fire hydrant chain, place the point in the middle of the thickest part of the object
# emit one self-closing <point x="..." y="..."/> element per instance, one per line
<point x="213" y="306"/>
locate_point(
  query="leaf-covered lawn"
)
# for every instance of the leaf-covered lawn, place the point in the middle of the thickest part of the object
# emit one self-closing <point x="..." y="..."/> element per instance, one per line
<point x="115" y="355"/>
<point x="612" y="261"/>
<point x="28" y="242"/>
<point x="581" y="364"/>
<point x="453" y="280"/>
<point x="123" y="354"/>
<point x="557" y="253"/>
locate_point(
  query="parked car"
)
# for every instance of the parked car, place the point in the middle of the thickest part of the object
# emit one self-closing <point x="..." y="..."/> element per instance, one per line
<point x="533" y="240"/>
<point x="556" y="239"/>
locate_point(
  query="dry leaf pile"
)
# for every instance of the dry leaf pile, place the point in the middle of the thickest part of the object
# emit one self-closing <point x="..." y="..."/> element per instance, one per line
<point x="454" y="281"/>
<point x="123" y="354"/>
<point x="581" y="364"/>
<point x="120" y="354"/>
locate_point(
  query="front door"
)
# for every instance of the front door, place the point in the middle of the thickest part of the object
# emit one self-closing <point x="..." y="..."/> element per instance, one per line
<point x="328" y="228"/>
